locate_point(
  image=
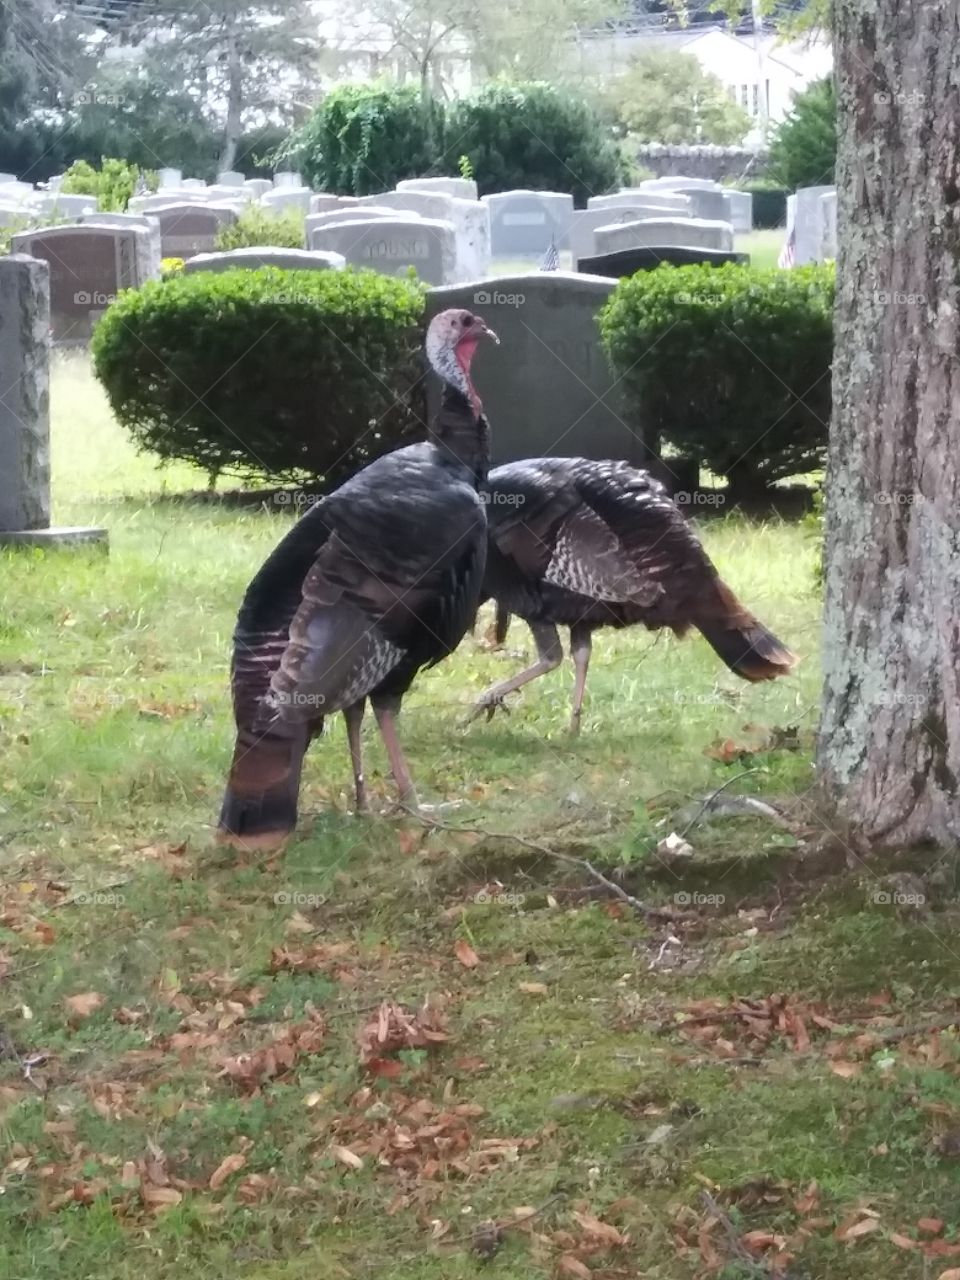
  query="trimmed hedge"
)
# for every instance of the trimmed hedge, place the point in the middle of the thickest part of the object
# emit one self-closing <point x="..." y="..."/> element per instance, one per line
<point x="730" y="365"/>
<point x="280" y="374"/>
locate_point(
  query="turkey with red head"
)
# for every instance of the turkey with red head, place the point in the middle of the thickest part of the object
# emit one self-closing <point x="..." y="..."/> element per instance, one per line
<point x="379" y="579"/>
<point x="587" y="544"/>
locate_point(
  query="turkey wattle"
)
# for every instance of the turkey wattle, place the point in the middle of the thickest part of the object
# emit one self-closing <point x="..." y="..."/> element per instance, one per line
<point x="587" y="544"/>
<point x="379" y="579"/>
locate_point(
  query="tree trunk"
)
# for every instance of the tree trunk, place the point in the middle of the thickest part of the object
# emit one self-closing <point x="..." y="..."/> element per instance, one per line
<point x="234" y="124"/>
<point x="889" y="750"/>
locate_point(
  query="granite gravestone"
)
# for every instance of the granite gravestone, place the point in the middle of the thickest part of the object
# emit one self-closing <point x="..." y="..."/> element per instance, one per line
<point x="89" y="265"/>
<point x="627" y="262"/>
<point x="523" y="224"/>
<point x="462" y="188"/>
<point x="553" y="391"/>
<point x="253" y="258"/>
<point x="393" y="245"/>
<point x="187" y="229"/>
<point x="663" y="232"/>
<point x="25" y="408"/>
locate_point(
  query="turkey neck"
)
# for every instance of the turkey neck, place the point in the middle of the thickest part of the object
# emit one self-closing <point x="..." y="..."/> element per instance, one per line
<point x="460" y="436"/>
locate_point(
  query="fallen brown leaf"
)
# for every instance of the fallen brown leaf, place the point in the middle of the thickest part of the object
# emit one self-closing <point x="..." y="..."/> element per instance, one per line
<point x="930" y="1226"/>
<point x="571" y="1266"/>
<point x="346" y="1156"/>
<point x="81" y="1006"/>
<point x="225" y="1169"/>
<point x="532" y="988"/>
<point x="466" y="954"/>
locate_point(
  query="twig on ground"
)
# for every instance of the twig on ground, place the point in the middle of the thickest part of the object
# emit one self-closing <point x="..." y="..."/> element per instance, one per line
<point x="739" y="1250"/>
<point x="746" y="773"/>
<point x="642" y="908"/>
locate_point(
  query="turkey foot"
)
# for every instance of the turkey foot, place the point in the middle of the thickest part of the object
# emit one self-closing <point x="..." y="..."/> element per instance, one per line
<point x="549" y="657"/>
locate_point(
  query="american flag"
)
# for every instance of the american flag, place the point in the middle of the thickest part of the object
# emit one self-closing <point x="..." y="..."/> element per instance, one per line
<point x="551" y="259"/>
<point x="788" y="253"/>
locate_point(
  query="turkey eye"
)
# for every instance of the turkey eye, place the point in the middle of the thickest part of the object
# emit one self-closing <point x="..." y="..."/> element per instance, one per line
<point x="467" y="320"/>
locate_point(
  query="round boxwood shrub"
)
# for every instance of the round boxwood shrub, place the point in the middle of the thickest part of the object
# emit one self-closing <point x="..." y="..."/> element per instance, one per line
<point x="729" y="365"/>
<point x="286" y="374"/>
<point x="534" y="136"/>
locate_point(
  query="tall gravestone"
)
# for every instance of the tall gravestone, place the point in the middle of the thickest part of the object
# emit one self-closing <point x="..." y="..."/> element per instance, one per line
<point x="25" y="408"/>
<point x="663" y="232"/>
<point x="556" y="393"/>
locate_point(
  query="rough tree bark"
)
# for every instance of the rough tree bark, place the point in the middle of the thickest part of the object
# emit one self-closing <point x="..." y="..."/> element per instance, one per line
<point x="889" y="750"/>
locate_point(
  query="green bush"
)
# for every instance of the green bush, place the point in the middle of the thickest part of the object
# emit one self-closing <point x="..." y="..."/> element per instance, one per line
<point x="257" y="226"/>
<point x="769" y="203"/>
<point x="729" y="365"/>
<point x="286" y="374"/>
<point x="366" y="138"/>
<point x="534" y="135"/>
<point x="803" y="152"/>
<point x="113" y="183"/>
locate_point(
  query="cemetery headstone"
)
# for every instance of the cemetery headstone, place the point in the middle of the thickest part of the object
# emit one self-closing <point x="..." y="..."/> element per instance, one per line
<point x="556" y="393"/>
<point x="89" y="265"/>
<point x="462" y="188"/>
<point x="669" y="203"/>
<point x="627" y="262"/>
<point x="470" y="219"/>
<point x="287" y="197"/>
<point x="316" y="221"/>
<point x="230" y="178"/>
<point x="257" y="187"/>
<point x="287" y="178"/>
<point x="523" y="224"/>
<point x="253" y="258"/>
<point x="585" y="222"/>
<point x="660" y="232"/>
<point x="741" y="211"/>
<point x="188" y="229"/>
<point x="323" y="202"/>
<point x="808" y="223"/>
<point x="169" y="178"/>
<point x="393" y="245"/>
<point x="63" y="206"/>
<point x="24" y="408"/>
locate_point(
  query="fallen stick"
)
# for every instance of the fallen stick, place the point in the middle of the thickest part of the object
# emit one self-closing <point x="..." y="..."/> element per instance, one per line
<point x="642" y="908"/>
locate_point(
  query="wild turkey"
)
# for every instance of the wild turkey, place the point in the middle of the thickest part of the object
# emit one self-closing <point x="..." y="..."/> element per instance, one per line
<point x="587" y="544"/>
<point x="379" y="579"/>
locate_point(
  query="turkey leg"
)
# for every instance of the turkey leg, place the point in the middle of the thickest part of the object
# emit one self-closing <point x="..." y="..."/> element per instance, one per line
<point x="354" y="718"/>
<point x="398" y="765"/>
<point x="580" y="646"/>
<point x="549" y="657"/>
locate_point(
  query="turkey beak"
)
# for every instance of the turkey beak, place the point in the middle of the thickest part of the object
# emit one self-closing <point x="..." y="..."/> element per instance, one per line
<point x="481" y="324"/>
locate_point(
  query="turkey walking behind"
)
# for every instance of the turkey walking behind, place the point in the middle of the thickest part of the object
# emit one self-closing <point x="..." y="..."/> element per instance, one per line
<point x="586" y="544"/>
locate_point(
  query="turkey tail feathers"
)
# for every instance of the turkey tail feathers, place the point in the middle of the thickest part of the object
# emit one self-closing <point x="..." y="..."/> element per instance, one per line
<point x="260" y="805"/>
<point x="745" y="645"/>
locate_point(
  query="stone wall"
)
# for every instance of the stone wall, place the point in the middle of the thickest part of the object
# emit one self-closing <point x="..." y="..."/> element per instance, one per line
<point x="718" y="163"/>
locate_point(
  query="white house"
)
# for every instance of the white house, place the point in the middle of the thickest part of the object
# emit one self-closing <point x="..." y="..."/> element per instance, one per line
<point x="762" y="76"/>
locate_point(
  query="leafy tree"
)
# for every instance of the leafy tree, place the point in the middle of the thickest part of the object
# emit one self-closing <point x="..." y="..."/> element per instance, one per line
<point x="666" y="96"/>
<point x="534" y="135"/>
<point x="256" y="59"/>
<point x="803" y="152"/>
<point x="366" y="138"/>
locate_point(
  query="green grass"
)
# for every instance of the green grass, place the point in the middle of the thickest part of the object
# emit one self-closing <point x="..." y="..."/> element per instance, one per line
<point x="763" y="246"/>
<point x="115" y="731"/>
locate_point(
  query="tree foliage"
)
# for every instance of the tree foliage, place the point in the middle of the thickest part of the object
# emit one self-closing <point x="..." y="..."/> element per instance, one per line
<point x="534" y="135"/>
<point x="366" y="138"/>
<point x="666" y="96"/>
<point x="803" y="151"/>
